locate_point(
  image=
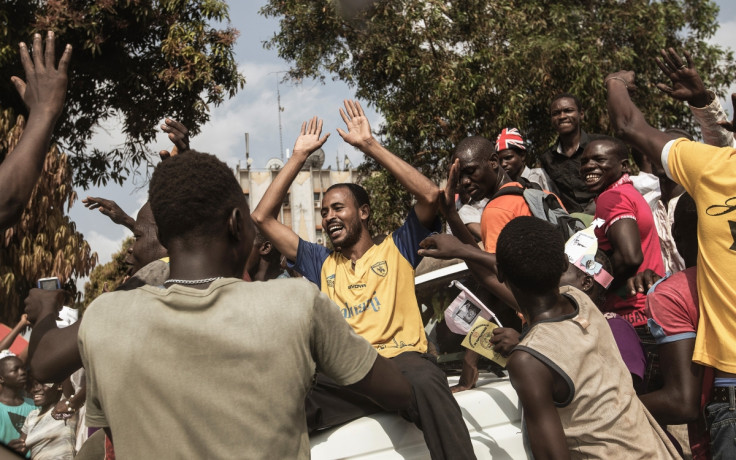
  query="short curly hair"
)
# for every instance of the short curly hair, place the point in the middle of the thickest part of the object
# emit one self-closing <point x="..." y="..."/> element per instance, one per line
<point x="530" y="253"/>
<point x="191" y="194"/>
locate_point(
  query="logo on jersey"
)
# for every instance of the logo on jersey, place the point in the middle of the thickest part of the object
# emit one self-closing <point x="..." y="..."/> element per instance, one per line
<point x="372" y="304"/>
<point x="356" y="286"/>
<point x="380" y="268"/>
<point x="331" y="281"/>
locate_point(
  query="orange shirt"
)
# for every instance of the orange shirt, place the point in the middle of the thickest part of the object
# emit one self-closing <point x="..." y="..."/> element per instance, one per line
<point x="499" y="212"/>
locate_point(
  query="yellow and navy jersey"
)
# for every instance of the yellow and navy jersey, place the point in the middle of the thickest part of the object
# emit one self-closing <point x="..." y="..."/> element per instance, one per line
<point x="376" y="297"/>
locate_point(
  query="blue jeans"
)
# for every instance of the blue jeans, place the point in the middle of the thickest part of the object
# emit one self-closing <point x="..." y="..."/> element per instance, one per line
<point x="721" y="420"/>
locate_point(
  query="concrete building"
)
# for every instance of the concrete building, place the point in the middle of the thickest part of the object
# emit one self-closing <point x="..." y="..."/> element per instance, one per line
<point x="301" y="208"/>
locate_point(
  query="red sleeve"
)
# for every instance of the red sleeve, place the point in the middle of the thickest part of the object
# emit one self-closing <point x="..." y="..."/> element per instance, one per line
<point x="612" y="206"/>
<point x="673" y="303"/>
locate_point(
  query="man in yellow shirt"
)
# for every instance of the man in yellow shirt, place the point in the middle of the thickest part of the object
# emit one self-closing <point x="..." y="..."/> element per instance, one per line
<point x="708" y="174"/>
<point x="373" y="284"/>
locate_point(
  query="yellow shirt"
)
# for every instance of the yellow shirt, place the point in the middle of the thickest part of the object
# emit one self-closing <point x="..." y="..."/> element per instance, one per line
<point x="708" y="174"/>
<point x="377" y="298"/>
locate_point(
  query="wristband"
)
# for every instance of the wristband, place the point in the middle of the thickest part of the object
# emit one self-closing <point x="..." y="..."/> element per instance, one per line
<point x="626" y="84"/>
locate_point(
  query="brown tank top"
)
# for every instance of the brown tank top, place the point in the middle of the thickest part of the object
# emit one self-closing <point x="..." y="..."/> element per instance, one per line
<point x="602" y="417"/>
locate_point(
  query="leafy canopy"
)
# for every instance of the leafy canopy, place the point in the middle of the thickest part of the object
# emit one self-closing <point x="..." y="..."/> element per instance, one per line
<point x="439" y="71"/>
<point x="139" y="60"/>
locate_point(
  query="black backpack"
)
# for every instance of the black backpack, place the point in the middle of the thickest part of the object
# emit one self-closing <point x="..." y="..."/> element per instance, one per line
<point x="544" y="205"/>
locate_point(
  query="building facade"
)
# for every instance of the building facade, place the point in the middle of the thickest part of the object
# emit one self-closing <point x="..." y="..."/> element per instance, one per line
<point x="301" y="208"/>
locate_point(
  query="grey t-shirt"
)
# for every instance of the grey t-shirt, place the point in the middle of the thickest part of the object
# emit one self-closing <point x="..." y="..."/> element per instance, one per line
<point x="214" y="373"/>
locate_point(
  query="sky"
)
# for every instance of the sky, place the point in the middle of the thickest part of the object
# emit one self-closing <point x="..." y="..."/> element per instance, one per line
<point x="255" y="110"/>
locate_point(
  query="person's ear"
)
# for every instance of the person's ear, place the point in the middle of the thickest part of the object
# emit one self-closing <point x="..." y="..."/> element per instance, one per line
<point x="235" y="224"/>
<point x="588" y="283"/>
<point x="582" y="114"/>
<point x="493" y="160"/>
<point x="364" y="212"/>
<point x="625" y="166"/>
<point x="265" y="248"/>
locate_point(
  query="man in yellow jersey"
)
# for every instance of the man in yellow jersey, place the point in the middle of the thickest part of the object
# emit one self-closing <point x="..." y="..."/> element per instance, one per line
<point x="708" y="174"/>
<point x="372" y="284"/>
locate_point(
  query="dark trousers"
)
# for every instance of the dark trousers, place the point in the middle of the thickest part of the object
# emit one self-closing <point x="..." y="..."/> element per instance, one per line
<point x="433" y="409"/>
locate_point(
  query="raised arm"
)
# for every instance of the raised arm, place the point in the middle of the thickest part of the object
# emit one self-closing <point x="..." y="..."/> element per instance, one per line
<point x="43" y="93"/>
<point x="627" y="120"/>
<point x="178" y="135"/>
<point x="359" y="135"/>
<point x="8" y="340"/>
<point x="53" y="354"/>
<point x="687" y="86"/>
<point x="111" y="210"/>
<point x="265" y="214"/>
<point x="448" y="209"/>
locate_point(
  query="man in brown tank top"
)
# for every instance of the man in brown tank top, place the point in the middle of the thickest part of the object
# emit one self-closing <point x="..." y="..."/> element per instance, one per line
<point x="577" y="394"/>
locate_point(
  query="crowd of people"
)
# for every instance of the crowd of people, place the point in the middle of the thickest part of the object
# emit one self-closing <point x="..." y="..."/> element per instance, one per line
<point x="237" y="338"/>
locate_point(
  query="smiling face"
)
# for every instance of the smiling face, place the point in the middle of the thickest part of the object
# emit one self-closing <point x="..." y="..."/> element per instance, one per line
<point x="342" y="219"/>
<point x="601" y="165"/>
<point x="45" y="395"/>
<point x="512" y="161"/>
<point x="565" y="115"/>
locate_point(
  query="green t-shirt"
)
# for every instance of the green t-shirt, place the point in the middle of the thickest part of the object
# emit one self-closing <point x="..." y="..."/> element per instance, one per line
<point x="12" y="419"/>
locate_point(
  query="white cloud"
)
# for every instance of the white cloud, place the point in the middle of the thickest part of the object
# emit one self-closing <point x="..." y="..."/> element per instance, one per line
<point x="104" y="246"/>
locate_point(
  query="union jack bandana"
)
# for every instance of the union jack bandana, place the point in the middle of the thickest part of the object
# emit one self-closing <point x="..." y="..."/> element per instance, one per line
<point x="509" y="137"/>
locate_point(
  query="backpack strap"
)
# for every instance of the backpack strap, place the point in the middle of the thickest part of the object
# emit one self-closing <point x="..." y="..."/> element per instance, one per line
<point x="510" y="190"/>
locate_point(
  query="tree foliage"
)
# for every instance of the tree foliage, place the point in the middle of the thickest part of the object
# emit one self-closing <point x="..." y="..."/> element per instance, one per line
<point x="439" y="71"/>
<point x="108" y="276"/>
<point x="139" y="60"/>
<point x="45" y="241"/>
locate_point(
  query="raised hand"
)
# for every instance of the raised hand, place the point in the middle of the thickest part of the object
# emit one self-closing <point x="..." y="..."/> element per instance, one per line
<point x="23" y="322"/>
<point x="111" y="210"/>
<point x="447" y="197"/>
<point x="359" y="130"/>
<point x="41" y="303"/>
<point x="178" y="134"/>
<point x="309" y="138"/>
<point x="44" y="90"/>
<point x="730" y="125"/>
<point x="686" y="82"/>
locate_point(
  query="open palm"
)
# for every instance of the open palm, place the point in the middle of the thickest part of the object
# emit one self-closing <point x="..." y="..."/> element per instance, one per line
<point x="309" y="138"/>
<point x="359" y="130"/>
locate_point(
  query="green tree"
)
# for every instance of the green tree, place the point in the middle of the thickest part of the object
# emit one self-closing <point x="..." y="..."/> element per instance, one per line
<point x="107" y="277"/>
<point x="440" y="70"/>
<point x="44" y="242"/>
<point x="139" y="60"/>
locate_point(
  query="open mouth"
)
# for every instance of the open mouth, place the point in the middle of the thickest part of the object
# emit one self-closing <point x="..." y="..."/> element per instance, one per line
<point x="39" y="398"/>
<point x="592" y="178"/>
<point x="335" y="230"/>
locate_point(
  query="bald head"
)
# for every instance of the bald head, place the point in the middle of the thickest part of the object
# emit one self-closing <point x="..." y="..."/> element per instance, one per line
<point x="475" y="147"/>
